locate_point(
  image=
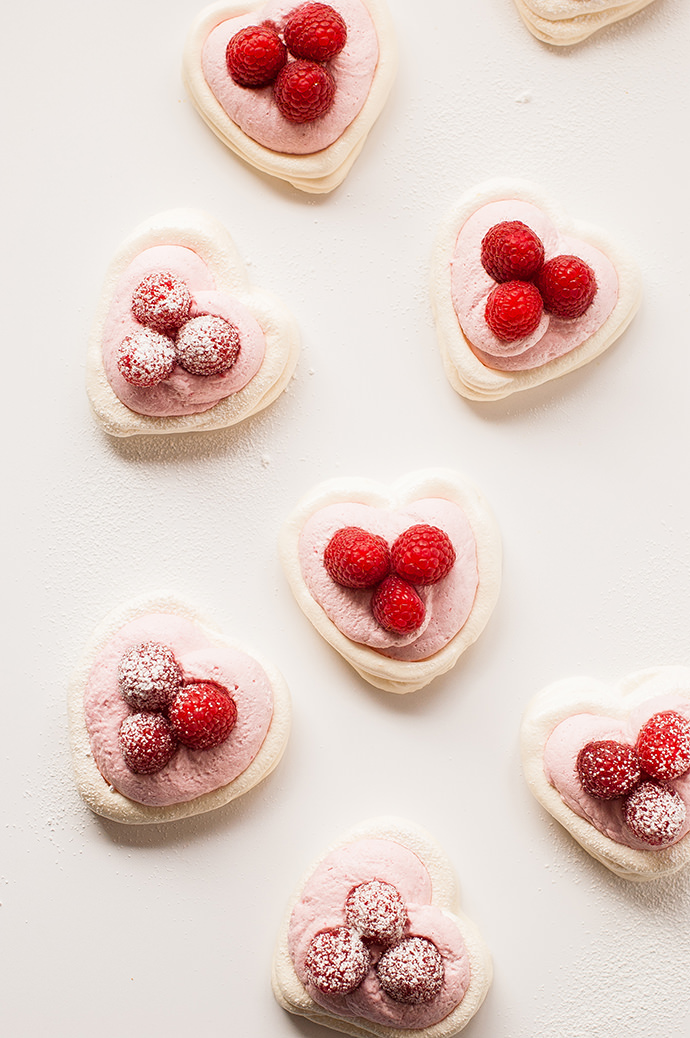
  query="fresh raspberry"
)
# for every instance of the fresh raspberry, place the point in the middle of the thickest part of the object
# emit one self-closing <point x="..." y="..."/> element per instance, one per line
<point x="411" y="971"/>
<point x="208" y="345"/>
<point x="315" y="31"/>
<point x="145" y="358"/>
<point x="655" y="814"/>
<point x="422" y="554"/>
<point x="147" y="742"/>
<point x="356" y="558"/>
<point x="663" y="745"/>
<point x="567" y="285"/>
<point x="202" y="715"/>
<point x="149" y="676"/>
<point x="513" y="310"/>
<point x="607" y="768"/>
<point x="337" y="961"/>
<point x="376" y="911"/>
<point x="397" y="606"/>
<point x="255" y="55"/>
<point x="162" y="301"/>
<point x="303" y="91"/>
<point x="511" y="251"/>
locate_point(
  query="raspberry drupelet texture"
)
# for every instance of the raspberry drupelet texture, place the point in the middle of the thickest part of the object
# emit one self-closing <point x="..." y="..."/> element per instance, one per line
<point x="303" y="91"/>
<point x="411" y="971"/>
<point x="145" y="358"/>
<point x="511" y="251"/>
<point x="207" y="345"/>
<point x="663" y="745"/>
<point x="514" y="310"/>
<point x="255" y="55"/>
<point x="147" y="742"/>
<point x="315" y="31"/>
<point x="202" y="715"/>
<point x="149" y="676"/>
<point x="567" y="285"/>
<point x="423" y="554"/>
<point x="608" y="769"/>
<point x="337" y="961"/>
<point x="654" y="814"/>
<point x="397" y="607"/>
<point x="356" y="558"/>
<point x="162" y="301"/>
<point x="376" y="911"/>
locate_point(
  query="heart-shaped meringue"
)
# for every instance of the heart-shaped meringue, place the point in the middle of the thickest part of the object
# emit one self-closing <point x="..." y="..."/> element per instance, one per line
<point x="565" y="22"/>
<point x="390" y="851"/>
<point x="194" y="781"/>
<point x="567" y="715"/>
<point x="478" y="364"/>
<point x="193" y="246"/>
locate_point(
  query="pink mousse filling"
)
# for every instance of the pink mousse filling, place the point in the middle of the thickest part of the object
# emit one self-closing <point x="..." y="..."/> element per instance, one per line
<point x="190" y="772"/>
<point x="448" y="603"/>
<point x="254" y="110"/>
<point x="181" y="393"/>
<point x="560" y="758"/>
<point x="471" y="285"/>
<point x="322" y="905"/>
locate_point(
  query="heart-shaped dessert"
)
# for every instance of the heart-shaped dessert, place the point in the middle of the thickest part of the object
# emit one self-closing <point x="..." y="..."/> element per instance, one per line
<point x="399" y="580"/>
<point x="521" y="295"/>
<point x="181" y="342"/>
<point x="292" y="88"/>
<point x="564" y="22"/>
<point x="373" y="942"/>
<point x="612" y="765"/>
<point x="168" y="719"/>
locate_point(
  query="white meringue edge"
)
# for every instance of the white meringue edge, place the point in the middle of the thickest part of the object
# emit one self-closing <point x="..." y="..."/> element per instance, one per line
<point x="291" y="994"/>
<point x="320" y="171"/>
<point x="465" y="372"/>
<point x="106" y="801"/>
<point x="563" y="23"/>
<point x="400" y="676"/>
<point x="201" y="233"/>
<point x="569" y="696"/>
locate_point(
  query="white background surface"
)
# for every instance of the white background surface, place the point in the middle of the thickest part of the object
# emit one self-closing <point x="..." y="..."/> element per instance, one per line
<point x="109" y="930"/>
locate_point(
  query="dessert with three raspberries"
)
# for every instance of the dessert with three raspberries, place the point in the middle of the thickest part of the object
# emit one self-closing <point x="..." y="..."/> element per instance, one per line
<point x="293" y="88"/>
<point x="613" y="766"/>
<point x="374" y="942"/>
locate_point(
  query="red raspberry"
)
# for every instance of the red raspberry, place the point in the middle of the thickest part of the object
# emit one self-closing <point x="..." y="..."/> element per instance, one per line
<point x="607" y="768"/>
<point x="655" y="814"/>
<point x="202" y="715"/>
<point x="162" y="301"/>
<point x="303" y="91"/>
<point x="663" y="745"/>
<point x="207" y="345"/>
<point x="147" y="742"/>
<point x="145" y="358"/>
<point x="511" y="251"/>
<point x="567" y="285"/>
<point x="397" y="606"/>
<point x="513" y="310"/>
<point x="337" y="961"/>
<point x="148" y="676"/>
<point x="423" y="554"/>
<point x="376" y="911"/>
<point x="315" y="31"/>
<point x="255" y="56"/>
<point x="356" y="558"/>
<point x="412" y="971"/>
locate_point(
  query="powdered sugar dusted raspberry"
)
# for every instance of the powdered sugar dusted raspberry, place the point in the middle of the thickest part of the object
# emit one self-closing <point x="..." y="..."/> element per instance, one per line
<point x="654" y="814"/>
<point x="149" y="676"/>
<point x="376" y="911"/>
<point x="202" y="715"/>
<point x="147" y="742"/>
<point x="607" y="768"/>
<point x="663" y="745"/>
<point x="208" y="345"/>
<point x="145" y="358"/>
<point x="337" y="961"/>
<point x="411" y="971"/>
<point x="162" y="301"/>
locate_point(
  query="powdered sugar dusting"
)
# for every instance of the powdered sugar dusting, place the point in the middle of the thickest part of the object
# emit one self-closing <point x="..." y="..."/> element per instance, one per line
<point x="655" y="814"/>
<point x="208" y="345"/>
<point x="148" y="676"/>
<point x="411" y="971"/>
<point x="376" y="911"/>
<point x="337" y="961"/>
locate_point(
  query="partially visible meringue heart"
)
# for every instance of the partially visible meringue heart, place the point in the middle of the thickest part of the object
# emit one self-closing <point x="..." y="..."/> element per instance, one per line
<point x="565" y="22"/>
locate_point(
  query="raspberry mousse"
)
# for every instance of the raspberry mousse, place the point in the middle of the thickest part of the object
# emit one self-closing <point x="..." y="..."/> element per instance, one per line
<point x="373" y="941"/>
<point x="612" y="765"/>
<point x="181" y="341"/>
<point x="169" y="719"/>
<point x="400" y="580"/>
<point x="292" y="88"/>
<point x="521" y="294"/>
<point x="565" y="22"/>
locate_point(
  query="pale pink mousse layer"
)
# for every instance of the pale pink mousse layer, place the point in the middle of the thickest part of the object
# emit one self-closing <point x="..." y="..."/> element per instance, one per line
<point x="255" y="111"/>
<point x="448" y="603"/>
<point x="190" y="772"/>
<point x="322" y="905"/>
<point x="181" y="393"/>
<point x="560" y="760"/>
<point x="471" y="285"/>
